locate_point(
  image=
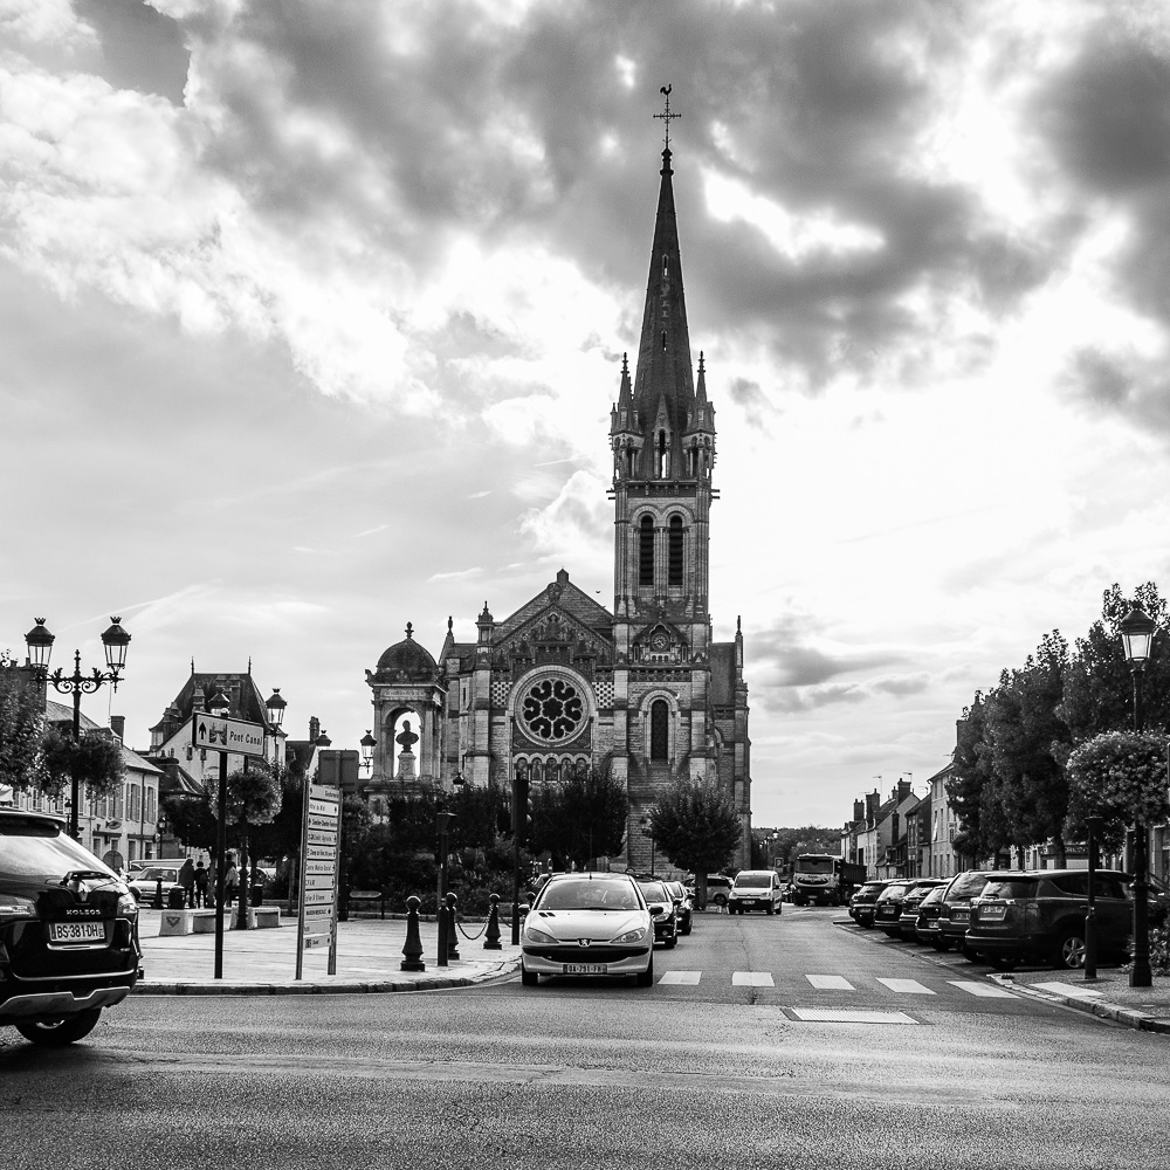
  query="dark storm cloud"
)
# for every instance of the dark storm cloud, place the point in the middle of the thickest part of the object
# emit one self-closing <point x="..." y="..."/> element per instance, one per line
<point x="499" y="129"/>
<point x="141" y="48"/>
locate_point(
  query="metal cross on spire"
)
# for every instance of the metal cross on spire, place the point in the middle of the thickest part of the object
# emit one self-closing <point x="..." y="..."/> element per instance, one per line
<point x="667" y="116"/>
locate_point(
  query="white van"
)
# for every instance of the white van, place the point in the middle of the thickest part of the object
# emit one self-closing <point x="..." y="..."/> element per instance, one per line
<point x="755" y="889"/>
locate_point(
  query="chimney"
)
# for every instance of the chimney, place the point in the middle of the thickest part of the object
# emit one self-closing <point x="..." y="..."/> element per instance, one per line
<point x="904" y="787"/>
<point x="872" y="803"/>
<point x="858" y="810"/>
<point x="118" y="725"/>
<point x="314" y="728"/>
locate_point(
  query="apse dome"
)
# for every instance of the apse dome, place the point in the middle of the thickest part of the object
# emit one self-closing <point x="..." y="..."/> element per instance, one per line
<point x="407" y="660"/>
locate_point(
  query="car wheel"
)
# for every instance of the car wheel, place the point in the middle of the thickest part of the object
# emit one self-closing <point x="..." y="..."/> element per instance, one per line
<point x="528" y="978"/>
<point x="1070" y="951"/>
<point x="687" y="928"/>
<point x="646" y="978"/>
<point x="968" y="954"/>
<point x="58" y="1033"/>
<point x="670" y="943"/>
<point x="720" y="899"/>
<point x="770" y="911"/>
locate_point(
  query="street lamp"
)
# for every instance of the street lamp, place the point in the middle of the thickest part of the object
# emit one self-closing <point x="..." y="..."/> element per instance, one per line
<point x="648" y="831"/>
<point x="275" y="705"/>
<point x="1137" y="634"/>
<point x="367" y="743"/>
<point x="40" y="647"/>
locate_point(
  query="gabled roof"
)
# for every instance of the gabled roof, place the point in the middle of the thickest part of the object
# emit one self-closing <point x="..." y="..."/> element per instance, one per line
<point x="247" y="702"/>
<point x="559" y="594"/>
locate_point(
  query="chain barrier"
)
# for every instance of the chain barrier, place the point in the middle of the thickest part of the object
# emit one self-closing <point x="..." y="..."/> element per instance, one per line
<point x="471" y="937"/>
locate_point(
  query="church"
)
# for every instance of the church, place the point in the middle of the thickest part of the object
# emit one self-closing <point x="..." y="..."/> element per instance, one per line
<point x="563" y="685"/>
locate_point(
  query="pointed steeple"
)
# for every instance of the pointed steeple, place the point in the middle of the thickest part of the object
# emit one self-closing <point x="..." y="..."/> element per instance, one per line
<point x="664" y="350"/>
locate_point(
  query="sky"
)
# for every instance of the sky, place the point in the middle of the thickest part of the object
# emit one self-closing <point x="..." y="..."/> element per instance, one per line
<point x="312" y="317"/>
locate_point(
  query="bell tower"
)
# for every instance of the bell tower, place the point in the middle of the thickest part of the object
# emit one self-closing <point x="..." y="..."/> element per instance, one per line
<point x="662" y="435"/>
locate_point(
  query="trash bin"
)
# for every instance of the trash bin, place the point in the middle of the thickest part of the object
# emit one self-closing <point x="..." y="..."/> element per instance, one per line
<point x="176" y="898"/>
<point x="255" y="893"/>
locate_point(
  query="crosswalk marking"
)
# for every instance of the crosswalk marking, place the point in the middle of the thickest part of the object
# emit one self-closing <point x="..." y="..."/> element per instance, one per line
<point x="752" y="979"/>
<point x="686" y="978"/>
<point x="906" y="986"/>
<point x="830" y="982"/>
<point x="982" y="990"/>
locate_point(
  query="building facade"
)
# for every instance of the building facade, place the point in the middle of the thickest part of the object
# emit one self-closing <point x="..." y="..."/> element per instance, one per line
<point x="562" y="685"/>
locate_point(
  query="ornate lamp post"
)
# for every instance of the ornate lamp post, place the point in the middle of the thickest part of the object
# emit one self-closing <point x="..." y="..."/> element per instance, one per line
<point x="275" y="705"/>
<point x="1137" y="634"/>
<point x="40" y="647"/>
<point x="367" y="743"/>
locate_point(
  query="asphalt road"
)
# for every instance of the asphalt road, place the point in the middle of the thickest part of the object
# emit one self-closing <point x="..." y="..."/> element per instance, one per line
<point x="712" y="1072"/>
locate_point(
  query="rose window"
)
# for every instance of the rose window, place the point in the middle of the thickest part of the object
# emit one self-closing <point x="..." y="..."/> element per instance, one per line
<point x="552" y="710"/>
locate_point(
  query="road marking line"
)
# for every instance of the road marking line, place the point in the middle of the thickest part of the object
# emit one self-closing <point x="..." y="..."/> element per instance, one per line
<point x="983" y="990"/>
<point x="830" y="982"/>
<point x="688" y="978"/>
<point x="906" y="986"/>
<point x="752" y="979"/>
<point x="850" y="1016"/>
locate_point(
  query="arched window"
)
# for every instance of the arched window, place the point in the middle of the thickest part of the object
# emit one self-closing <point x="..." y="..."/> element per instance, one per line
<point x="659" y="727"/>
<point x="646" y="552"/>
<point x="675" y="551"/>
<point x="663" y="456"/>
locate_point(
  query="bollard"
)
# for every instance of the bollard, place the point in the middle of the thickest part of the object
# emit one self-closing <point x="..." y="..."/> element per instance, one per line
<point x="491" y="940"/>
<point x="158" y="902"/>
<point x="441" y="922"/>
<point x="452" y="929"/>
<point x="412" y="948"/>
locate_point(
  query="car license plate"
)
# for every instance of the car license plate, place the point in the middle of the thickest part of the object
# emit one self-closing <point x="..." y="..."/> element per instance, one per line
<point x="585" y="968"/>
<point x="68" y="932"/>
<point x="992" y="913"/>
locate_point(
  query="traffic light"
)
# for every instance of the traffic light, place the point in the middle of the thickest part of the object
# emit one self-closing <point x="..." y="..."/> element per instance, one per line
<point x="521" y="814"/>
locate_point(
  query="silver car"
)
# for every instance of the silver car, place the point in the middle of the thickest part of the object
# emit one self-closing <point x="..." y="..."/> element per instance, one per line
<point x="588" y="925"/>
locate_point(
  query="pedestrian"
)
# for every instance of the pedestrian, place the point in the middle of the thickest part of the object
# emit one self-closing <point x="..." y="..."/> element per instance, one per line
<point x="187" y="881"/>
<point x="201" y="883"/>
<point x="212" y="883"/>
<point x="231" y="883"/>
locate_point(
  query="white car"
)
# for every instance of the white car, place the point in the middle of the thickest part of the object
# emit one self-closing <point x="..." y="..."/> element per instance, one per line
<point x="144" y="884"/>
<point x="588" y="924"/>
<point x="755" y="889"/>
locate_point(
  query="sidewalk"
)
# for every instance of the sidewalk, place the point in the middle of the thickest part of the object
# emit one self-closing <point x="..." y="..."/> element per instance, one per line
<point x="264" y="961"/>
<point x="1108" y="996"/>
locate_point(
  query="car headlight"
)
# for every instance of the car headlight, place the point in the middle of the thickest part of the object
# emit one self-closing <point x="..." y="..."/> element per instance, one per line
<point x="13" y="907"/>
<point x="536" y="935"/>
<point x="127" y="906"/>
<point x="631" y="936"/>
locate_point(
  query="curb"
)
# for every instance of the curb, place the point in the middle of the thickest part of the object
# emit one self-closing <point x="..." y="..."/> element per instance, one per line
<point x="1129" y="1017"/>
<point x="353" y="987"/>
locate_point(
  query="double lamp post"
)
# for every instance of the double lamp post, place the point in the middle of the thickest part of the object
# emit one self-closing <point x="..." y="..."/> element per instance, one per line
<point x="40" y="647"/>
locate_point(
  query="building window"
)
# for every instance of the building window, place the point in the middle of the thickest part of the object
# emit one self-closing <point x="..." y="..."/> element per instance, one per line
<point x="646" y="552"/>
<point x="659" y="727"/>
<point x="552" y="710"/>
<point x="663" y="456"/>
<point x="675" y="560"/>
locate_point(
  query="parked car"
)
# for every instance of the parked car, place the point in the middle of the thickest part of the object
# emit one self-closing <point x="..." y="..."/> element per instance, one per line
<point x="718" y="887"/>
<point x="684" y="905"/>
<point x="908" y="919"/>
<point x="926" y="922"/>
<point x="861" y="905"/>
<point x="755" y="889"/>
<point x="954" y="910"/>
<point x="144" y="884"/>
<point x="661" y="904"/>
<point x="68" y="932"/>
<point x="1039" y="916"/>
<point x="585" y="925"/>
<point x="887" y="909"/>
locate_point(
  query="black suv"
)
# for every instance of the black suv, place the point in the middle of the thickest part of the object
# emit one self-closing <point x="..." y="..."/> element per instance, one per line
<point x="663" y="911"/>
<point x="1040" y="916"/>
<point x="862" y="903"/>
<point x="954" y="910"/>
<point x="68" y="932"/>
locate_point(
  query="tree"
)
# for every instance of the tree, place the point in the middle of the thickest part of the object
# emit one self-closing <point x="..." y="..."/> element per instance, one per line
<point x="21" y="727"/>
<point x="695" y="825"/>
<point x="253" y="798"/>
<point x="95" y="759"/>
<point x="972" y="773"/>
<point x="808" y="839"/>
<point x="1119" y="776"/>
<point x="581" y="818"/>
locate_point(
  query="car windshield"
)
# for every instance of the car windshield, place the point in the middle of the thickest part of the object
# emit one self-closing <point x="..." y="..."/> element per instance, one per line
<point x="32" y="848"/>
<point x="753" y="881"/>
<point x="872" y="888"/>
<point x="966" y="885"/>
<point x="814" y="865"/>
<point x="157" y="873"/>
<point x="654" y="892"/>
<point x="1010" y="888"/>
<point x="934" y="894"/>
<point x="588" y="894"/>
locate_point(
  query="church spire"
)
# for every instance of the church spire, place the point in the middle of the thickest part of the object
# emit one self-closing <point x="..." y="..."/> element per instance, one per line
<point x="664" y="378"/>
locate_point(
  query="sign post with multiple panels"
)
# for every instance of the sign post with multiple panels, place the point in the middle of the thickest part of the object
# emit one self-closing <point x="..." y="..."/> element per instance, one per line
<point x="320" y="855"/>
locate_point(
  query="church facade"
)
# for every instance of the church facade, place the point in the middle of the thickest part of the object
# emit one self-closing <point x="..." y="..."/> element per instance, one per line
<point x="562" y="684"/>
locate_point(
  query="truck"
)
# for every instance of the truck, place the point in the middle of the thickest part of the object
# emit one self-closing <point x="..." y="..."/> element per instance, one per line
<point x="824" y="880"/>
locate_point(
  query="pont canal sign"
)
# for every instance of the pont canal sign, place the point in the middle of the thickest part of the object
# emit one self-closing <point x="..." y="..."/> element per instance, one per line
<point x="227" y="735"/>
